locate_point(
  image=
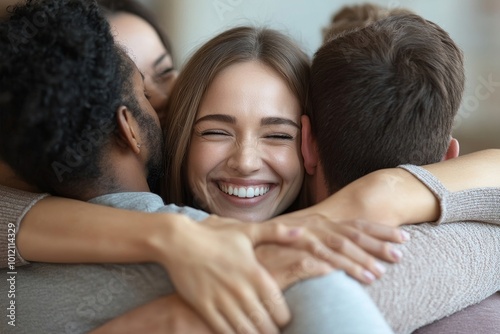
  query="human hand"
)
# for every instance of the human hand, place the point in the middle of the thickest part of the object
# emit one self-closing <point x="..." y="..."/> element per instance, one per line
<point x="215" y="270"/>
<point x="289" y="265"/>
<point x="352" y="246"/>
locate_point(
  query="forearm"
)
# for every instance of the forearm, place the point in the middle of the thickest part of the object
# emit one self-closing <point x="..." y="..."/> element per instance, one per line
<point x="13" y="206"/>
<point x="459" y="186"/>
<point x="67" y="231"/>
<point x="445" y="269"/>
<point x="475" y="170"/>
<point x="164" y="315"/>
<point x="395" y="196"/>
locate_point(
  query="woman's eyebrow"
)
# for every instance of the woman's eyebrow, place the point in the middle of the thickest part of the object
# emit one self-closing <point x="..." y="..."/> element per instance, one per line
<point x="217" y="117"/>
<point x="278" y="121"/>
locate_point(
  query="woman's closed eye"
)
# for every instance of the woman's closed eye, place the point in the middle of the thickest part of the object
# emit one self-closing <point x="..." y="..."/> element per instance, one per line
<point x="213" y="133"/>
<point x="280" y="136"/>
<point x="165" y="72"/>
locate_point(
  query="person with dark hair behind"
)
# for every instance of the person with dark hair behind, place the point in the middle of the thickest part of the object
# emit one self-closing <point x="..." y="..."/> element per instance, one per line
<point x="136" y="28"/>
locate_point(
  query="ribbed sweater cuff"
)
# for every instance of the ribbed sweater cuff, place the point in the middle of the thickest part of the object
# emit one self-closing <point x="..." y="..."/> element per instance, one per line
<point x="478" y="204"/>
<point x="434" y="185"/>
<point x="14" y="204"/>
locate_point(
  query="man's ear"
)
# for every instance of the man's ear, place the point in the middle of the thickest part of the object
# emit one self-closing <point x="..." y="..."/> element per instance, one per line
<point x="309" y="147"/>
<point x="453" y="149"/>
<point x="126" y="128"/>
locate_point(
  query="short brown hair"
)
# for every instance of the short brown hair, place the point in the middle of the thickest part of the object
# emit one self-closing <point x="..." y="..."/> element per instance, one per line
<point x="233" y="46"/>
<point x="358" y="16"/>
<point x="384" y="95"/>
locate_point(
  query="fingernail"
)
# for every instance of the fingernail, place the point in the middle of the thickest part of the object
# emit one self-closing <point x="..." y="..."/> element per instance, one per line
<point x="369" y="276"/>
<point x="405" y="235"/>
<point x="295" y="231"/>
<point x="396" y="253"/>
<point x="380" y="267"/>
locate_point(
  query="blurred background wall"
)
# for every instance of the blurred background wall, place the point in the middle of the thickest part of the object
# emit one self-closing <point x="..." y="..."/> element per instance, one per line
<point x="473" y="24"/>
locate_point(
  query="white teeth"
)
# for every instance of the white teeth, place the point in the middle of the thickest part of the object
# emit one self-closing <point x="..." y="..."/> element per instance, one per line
<point x="244" y="192"/>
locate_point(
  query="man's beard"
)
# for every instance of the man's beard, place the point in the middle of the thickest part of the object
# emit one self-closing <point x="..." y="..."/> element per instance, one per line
<point x="155" y="166"/>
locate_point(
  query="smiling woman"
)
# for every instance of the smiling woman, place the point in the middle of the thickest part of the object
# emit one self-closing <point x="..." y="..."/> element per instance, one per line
<point x="136" y="29"/>
<point x="244" y="159"/>
<point x="241" y="97"/>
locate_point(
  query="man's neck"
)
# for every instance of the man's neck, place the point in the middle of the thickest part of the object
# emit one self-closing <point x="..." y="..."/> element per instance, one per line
<point x="316" y="186"/>
<point x="121" y="173"/>
<point x="10" y="179"/>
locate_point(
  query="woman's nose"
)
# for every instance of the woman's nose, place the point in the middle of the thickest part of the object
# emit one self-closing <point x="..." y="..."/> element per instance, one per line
<point x="245" y="158"/>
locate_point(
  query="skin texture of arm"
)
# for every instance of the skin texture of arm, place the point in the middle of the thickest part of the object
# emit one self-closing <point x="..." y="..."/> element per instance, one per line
<point x="395" y="196"/>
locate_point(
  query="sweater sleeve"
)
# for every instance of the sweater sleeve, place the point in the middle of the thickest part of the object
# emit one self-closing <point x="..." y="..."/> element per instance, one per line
<point x="479" y="204"/>
<point x="444" y="269"/>
<point x="14" y="204"/>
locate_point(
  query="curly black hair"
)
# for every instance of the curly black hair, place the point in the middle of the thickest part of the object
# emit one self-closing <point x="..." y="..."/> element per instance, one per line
<point x="62" y="79"/>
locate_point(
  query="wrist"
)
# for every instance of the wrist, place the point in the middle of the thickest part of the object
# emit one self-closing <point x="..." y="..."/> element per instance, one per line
<point x="407" y="199"/>
<point x="162" y="235"/>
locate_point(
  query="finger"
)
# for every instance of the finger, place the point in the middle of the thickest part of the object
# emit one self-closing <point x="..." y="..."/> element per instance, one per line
<point x="379" y="231"/>
<point x="247" y="313"/>
<point x="352" y="268"/>
<point x="239" y="319"/>
<point x="358" y="254"/>
<point x="215" y="319"/>
<point x="373" y="246"/>
<point x="272" y="232"/>
<point x="272" y="298"/>
<point x="260" y="317"/>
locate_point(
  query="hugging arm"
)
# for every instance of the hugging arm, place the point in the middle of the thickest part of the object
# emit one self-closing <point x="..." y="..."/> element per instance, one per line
<point x="101" y="234"/>
<point x="310" y="311"/>
<point x="445" y="269"/>
<point x="464" y="188"/>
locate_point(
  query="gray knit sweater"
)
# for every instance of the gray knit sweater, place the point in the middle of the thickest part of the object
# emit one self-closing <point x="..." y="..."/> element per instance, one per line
<point x="445" y="268"/>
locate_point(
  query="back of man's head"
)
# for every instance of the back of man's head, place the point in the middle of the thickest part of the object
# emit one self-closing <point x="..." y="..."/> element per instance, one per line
<point x="61" y="80"/>
<point x="384" y="95"/>
<point x="358" y="16"/>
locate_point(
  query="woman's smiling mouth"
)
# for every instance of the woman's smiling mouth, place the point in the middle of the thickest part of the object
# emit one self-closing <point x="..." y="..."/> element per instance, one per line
<point x="243" y="192"/>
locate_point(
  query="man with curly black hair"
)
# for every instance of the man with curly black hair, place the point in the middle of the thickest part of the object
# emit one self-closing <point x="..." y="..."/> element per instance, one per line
<point x="75" y="121"/>
<point x="62" y="83"/>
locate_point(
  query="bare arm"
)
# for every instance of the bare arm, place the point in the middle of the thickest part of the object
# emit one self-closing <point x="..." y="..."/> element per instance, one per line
<point x="165" y="315"/>
<point x="394" y="196"/>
